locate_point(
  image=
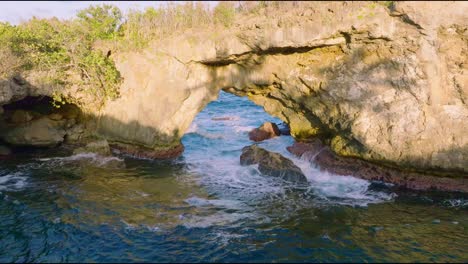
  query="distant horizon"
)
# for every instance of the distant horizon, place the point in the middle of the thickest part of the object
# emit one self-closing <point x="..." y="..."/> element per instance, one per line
<point x="16" y="12"/>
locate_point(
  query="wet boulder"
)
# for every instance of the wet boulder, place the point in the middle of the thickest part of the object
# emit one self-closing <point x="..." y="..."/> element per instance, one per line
<point x="272" y="164"/>
<point x="100" y="147"/>
<point x="55" y="117"/>
<point x="74" y="133"/>
<point x="266" y="131"/>
<point x="42" y="132"/>
<point x="20" y="116"/>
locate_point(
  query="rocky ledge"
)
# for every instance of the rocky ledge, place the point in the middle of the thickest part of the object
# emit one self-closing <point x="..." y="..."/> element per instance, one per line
<point x="318" y="153"/>
<point x="272" y="164"/>
<point x="386" y="84"/>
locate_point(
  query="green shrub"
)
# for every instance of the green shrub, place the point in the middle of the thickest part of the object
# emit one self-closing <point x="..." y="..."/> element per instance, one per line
<point x="101" y="21"/>
<point x="63" y="50"/>
<point x="58" y="49"/>
<point x="224" y="13"/>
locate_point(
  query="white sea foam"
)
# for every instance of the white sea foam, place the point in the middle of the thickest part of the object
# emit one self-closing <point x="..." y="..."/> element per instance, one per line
<point x="220" y="219"/>
<point x="242" y="129"/>
<point x="219" y="203"/>
<point x="221" y="173"/>
<point x="13" y="181"/>
<point x="92" y="158"/>
<point x="457" y="203"/>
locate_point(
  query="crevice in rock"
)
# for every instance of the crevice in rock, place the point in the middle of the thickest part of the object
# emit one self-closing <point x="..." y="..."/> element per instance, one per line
<point x="405" y="18"/>
<point x="287" y="50"/>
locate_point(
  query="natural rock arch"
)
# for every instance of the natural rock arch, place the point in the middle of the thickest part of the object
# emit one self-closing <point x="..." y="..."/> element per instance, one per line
<point x="390" y="88"/>
<point x="366" y="87"/>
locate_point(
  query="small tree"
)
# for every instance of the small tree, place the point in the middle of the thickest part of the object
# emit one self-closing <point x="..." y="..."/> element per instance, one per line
<point x="224" y="13"/>
<point x="103" y="21"/>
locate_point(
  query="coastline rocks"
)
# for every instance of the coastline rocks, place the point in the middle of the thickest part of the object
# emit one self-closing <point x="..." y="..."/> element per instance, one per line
<point x="4" y="151"/>
<point x="272" y="164"/>
<point x="55" y="117"/>
<point x="266" y="131"/>
<point x="21" y="116"/>
<point x="100" y="147"/>
<point x="42" y="132"/>
<point x="319" y="153"/>
<point x="147" y="153"/>
<point x="75" y="133"/>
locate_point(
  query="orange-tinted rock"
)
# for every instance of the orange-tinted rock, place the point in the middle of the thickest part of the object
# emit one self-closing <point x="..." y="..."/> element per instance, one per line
<point x="317" y="152"/>
<point x="266" y="131"/>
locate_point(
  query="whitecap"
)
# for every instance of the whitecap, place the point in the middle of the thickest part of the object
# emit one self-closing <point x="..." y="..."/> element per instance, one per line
<point x="13" y="181"/>
<point x="456" y="203"/>
<point x="93" y="158"/>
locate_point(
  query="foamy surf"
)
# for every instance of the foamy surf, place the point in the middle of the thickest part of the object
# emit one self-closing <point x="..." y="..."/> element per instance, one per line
<point x="13" y="181"/>
<point x="92" y="158"/>
<point x="218" y="167"/>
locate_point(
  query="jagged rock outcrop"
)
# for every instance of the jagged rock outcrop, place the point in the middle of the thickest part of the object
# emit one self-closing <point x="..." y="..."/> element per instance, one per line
<point x="385" y="84"/>
<point x="42" y="132"/>
<point x="33" y="121"/>
<point x="321" y="155"/>
<point x="272" y="164"/>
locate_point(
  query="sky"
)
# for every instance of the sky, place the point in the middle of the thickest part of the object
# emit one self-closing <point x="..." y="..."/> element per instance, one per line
<point x="18" y="11"/>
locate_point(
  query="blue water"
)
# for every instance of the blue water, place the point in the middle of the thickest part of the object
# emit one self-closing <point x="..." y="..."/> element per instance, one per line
<point x="205" y="207"/>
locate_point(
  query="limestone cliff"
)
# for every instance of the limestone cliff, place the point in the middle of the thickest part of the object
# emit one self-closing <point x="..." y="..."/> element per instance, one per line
<point x="382" y="83"/>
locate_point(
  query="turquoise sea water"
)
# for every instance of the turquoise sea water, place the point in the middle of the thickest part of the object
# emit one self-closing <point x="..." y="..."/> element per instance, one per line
<point x="205" y="207"/>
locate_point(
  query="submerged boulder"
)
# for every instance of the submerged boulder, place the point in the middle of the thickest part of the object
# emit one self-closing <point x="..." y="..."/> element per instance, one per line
<point x="265" y="131"/>
<point x="100" y="147"/>
<point x="272" y="164"/>
<point x="4" y="151"/>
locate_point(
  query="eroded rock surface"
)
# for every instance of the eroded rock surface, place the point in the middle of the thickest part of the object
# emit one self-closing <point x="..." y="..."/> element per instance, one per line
<point x="42" y="132"/>
<point x="272" y="164"/>
<point x="35" y="122"/>
<point x="100" y="147"/>
<point x="385" y="84"/>
<point x="318" y="153"/>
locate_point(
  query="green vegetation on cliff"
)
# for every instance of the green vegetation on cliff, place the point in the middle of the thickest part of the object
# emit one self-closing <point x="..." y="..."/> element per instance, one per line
<point x="62" y="52"/>
<point x="71" y="53"/>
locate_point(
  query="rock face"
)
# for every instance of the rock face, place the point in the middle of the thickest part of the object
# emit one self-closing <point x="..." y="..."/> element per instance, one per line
<point x="38" y="127"/>
<point x="384" y="84"/>
<point x="373" y="82"/>
<point x="320" y="154"/>
<point x="100" y="147"/>
<point x="265" y="131"/>
<point x="272" y="164"/>
<point x="42" y="132"/>
<point x="21" y="116"/>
